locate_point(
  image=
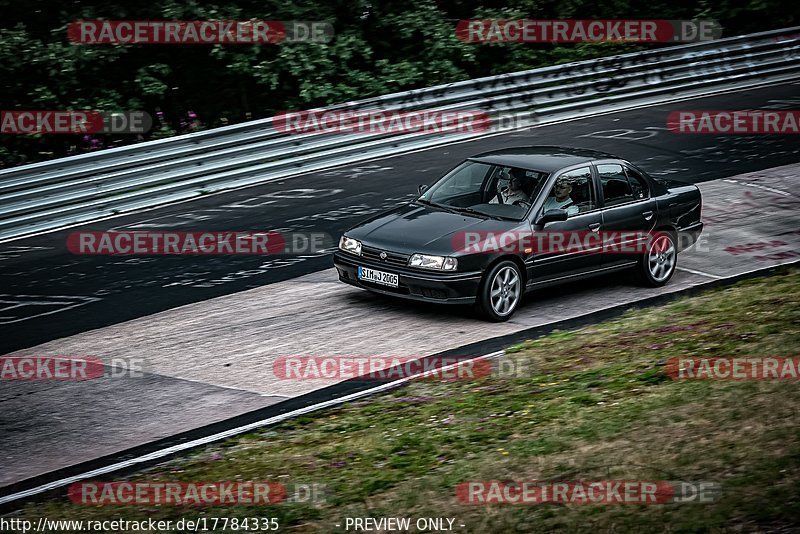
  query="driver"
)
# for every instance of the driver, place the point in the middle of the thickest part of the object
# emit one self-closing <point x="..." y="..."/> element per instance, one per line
<point x="512" y="193"/>
<point x="559" y="198"/>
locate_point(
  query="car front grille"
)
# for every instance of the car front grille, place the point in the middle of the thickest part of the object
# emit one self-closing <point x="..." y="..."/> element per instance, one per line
<point x="392" y="258"/>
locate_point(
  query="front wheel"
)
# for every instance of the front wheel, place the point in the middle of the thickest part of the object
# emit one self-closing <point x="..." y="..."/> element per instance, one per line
<point x="658" y="264"/>
<point x="500" y="291"/>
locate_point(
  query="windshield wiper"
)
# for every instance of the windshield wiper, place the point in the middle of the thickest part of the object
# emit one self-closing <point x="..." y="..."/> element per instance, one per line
<point x="476" y="212"/>
<point x="455" y="209"/>
<point x="435" y="205"/>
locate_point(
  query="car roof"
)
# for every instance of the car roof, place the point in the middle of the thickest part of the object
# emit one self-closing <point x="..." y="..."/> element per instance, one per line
<point x="541" y="158"/>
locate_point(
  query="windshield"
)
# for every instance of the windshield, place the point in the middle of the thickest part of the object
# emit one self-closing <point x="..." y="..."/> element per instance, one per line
<point x="491" y="190"/>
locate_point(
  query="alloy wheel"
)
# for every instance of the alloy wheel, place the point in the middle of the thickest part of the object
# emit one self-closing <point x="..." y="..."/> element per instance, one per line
<point x="505" y="291"/>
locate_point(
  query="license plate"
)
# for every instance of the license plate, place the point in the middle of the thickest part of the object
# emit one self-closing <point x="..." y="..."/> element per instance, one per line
<point x="377" y="277"/>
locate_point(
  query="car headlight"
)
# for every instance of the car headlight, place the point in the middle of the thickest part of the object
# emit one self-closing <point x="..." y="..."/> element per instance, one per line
<point x="441" y="263"/>
<point x="350" y="245"/>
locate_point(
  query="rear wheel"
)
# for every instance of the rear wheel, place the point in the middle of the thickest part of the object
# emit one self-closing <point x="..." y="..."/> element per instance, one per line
<point x="500" y="291"/>
<point x="658" y="264"/>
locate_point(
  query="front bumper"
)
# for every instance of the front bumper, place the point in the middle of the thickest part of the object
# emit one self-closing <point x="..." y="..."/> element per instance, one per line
<point x="427" y="286"/>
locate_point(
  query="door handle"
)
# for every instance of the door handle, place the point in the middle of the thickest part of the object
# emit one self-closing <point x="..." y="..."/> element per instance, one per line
<point x="594" y="227"/>
<point x="647" y="215"/>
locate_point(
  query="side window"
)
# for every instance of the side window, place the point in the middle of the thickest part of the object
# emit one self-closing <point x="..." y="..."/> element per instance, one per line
<point x="616" y="188"/>
<point x="638" y="184"/>
<point x="573" y="192"/>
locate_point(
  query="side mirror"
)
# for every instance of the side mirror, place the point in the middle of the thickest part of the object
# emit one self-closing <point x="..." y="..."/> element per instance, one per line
<point x="552" y="216"/>
<point x="422" y="188"/>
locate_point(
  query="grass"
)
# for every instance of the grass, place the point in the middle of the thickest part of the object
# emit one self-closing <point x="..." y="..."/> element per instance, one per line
<point x="594" y="403"/>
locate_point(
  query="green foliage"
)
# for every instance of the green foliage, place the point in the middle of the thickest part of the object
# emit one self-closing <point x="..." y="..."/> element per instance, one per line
<point x="151" y="80"/>
<point x="378" y="48"/>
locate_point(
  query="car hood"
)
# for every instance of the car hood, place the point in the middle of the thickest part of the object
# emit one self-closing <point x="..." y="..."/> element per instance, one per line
<point x="417" y="228"/>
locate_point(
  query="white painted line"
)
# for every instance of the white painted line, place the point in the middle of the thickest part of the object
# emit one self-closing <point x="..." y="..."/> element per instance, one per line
<point x="233" y="432"/>
<point x="73" y="302"/>
<point x="701" y="273"/>
<point x="759" y="186"/>
<point x="53" y="296"/>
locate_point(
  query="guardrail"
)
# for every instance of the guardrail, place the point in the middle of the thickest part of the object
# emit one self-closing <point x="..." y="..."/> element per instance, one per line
<point x="65" y="191"/>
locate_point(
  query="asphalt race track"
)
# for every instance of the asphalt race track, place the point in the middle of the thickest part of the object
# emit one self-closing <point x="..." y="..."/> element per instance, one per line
<point x="206" y="330"/>
<point x="107" y="290"/>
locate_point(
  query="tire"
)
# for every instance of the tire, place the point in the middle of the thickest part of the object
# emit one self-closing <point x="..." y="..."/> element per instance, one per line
<point x="500" y="292"/>
<point x="657" y="265"/>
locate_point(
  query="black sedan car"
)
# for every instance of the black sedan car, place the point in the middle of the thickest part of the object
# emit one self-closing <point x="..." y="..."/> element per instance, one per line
<point x="510" y="221"/>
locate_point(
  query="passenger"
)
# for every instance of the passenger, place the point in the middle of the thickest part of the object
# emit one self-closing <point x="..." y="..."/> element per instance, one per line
<point x="559" y="198"/>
